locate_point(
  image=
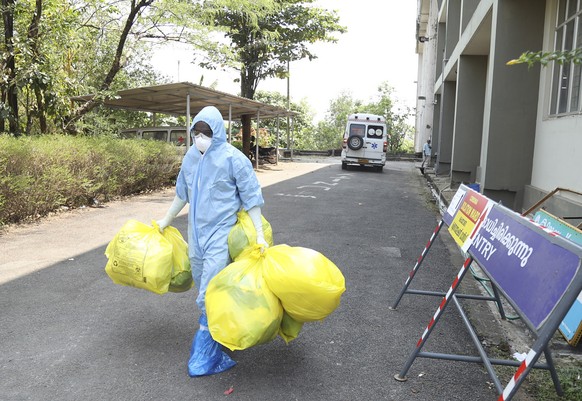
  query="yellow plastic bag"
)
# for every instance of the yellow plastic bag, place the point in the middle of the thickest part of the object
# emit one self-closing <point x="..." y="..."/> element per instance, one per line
<point x="139" y="256"/>
<point x="290" y="328"/>
<point x="244" y="234"/>
<point x="241" y="310"/>
<point x="308" y="284"/>
<point x="181" y="272"/>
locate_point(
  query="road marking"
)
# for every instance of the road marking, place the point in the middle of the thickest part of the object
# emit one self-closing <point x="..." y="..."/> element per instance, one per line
<point x="326" y="186"/>
<point x="391" y="251"/>
<point x="297" y="196"/>
<point x="314" y="186"/>
<point x="325" y="183"/>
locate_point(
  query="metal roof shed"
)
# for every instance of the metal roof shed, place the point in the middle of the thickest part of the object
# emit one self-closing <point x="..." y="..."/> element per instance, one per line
<point x="176" y="98"/>
<point x="186" y="98"/>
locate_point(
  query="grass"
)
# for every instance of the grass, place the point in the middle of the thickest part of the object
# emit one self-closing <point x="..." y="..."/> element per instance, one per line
<point x="540" y="385"/>
<point x="39" y="175"/>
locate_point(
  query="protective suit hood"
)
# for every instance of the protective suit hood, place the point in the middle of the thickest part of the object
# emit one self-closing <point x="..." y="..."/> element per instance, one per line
<point x="211" y="116"/>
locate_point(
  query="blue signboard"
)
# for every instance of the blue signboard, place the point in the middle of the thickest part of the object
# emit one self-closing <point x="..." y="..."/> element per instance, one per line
<point x="524" y="262"/>
<point x="550" y="221"/>
<point x="571" y="326"/>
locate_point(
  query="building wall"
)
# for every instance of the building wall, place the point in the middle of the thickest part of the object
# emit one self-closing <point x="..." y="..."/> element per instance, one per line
<point x="490" y="121"/>
<point x="557" y="160"/>
<point x="513" y="99"/>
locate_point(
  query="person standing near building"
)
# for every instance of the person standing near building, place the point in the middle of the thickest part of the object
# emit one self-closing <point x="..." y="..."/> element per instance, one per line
<point x="426" y="154"/>
<point x="217" y="180"/>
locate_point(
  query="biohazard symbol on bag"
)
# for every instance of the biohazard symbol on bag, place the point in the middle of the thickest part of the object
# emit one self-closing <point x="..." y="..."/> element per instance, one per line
<point x="140" y="256"/>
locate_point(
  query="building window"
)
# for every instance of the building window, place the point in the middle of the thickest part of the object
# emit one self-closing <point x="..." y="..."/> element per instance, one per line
<point x="567" y="78"/>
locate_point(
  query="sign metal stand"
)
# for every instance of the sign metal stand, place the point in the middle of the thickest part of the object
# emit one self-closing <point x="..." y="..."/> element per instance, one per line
<point x="447" y="219"/>
<point x="521" y="259"/>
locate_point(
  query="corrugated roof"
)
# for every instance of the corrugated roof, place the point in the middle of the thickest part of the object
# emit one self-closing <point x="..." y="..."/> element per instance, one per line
<point x="172" y="99"/>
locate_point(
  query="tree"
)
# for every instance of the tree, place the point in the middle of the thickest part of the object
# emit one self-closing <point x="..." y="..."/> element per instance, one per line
<point x="301" y="124"/>
<point x="396" y="116"/>
<point x="136" y="8"/>
<point x="329" y="132"/>
<point x="103" y="38"/>
<point x="262" y="38"/>
<point x="559" y="56"/>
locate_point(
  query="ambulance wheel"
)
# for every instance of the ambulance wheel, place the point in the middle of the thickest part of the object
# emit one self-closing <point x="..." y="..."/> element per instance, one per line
<point x="355" y="142"/>
<point x="344" y="166"/>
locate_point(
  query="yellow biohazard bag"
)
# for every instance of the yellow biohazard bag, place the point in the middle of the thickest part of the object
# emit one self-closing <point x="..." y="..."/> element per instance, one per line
<point x="244" y="234"/>
<point x="241" y="310"/>
<point x="181" y="272"/>
<point x="308" y="284"/>
<point x="290" y="328"/>
<point x="140" y="256"/>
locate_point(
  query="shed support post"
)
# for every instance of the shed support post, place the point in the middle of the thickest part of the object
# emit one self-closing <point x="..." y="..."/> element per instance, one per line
<point x="188" y="139"/>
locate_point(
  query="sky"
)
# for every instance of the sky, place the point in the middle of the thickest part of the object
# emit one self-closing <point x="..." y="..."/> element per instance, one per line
<point x="379" y="46"/>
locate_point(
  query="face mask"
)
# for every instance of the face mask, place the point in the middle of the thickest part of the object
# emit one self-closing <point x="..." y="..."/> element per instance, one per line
<point x="202" y="142"/>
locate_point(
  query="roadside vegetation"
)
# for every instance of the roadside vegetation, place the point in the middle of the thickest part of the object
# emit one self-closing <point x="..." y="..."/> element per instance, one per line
<point x="40" y="175"/>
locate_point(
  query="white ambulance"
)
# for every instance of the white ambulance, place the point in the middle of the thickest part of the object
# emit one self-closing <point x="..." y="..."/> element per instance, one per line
<point x="365" y="141"/>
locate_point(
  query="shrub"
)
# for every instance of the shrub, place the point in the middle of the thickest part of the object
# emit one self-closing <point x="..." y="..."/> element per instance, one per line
<point x="39" y="175"/>
<point x="238" y="145"/>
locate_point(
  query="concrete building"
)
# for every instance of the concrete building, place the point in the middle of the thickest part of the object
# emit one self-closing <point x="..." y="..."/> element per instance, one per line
<point x="514" y="130"/>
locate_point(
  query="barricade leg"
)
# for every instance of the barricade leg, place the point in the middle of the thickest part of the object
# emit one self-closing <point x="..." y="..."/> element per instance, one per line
<point x="477" y="343"/>
<point x="444" y="302"/>
<point x="417" y="265"/>
<point x="498" y="301"/>
<point x="553" y="373"/>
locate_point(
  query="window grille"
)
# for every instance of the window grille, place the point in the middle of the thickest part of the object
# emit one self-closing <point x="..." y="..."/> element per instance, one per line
<point x="567" y="78"/>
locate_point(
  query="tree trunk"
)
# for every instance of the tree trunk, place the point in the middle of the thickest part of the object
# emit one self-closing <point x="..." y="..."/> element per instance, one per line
<point x="33" y="35"/>
<point x="11" y="90"/>
<point x="41" y="110"/>
<point x="246" y="129"/>
<point x="247" y="90"/>
<point x="2" y="121"/>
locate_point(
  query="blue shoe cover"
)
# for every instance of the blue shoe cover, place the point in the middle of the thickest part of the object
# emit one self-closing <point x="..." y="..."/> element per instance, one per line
<point x="206" y="355"/>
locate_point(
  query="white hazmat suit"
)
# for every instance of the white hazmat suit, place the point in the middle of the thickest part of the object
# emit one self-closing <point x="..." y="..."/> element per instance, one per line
<point x="216" y="184"/>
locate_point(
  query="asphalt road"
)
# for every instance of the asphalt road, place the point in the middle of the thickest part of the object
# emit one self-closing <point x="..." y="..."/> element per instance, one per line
<point x="68" y="333"/>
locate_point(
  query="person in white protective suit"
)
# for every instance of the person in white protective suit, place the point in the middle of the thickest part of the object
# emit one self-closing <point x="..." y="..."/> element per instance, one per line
<point x="217" y="180"/>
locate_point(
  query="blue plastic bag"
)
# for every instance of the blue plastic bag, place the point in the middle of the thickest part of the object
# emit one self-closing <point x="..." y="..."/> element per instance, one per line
<point x="206" y="355"/>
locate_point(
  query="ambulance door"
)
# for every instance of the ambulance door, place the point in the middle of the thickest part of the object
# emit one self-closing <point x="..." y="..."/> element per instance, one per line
<point x="374" y="141"/>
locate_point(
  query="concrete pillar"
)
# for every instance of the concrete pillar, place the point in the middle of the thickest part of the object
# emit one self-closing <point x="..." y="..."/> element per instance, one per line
<point x="470" y="101"/>
<point x="440" y="53"/>
<point x="511" y="104"/>
<point x="453" y="26"/>
<point x="446" y="127"/>
<point x="467" y="9"/>
<point x="436" y="124"/>
<point x="426" y="81"/>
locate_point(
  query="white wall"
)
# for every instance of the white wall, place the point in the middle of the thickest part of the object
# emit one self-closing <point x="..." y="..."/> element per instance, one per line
<point x="558" y="154"/>
<point x="557" y="158"/>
